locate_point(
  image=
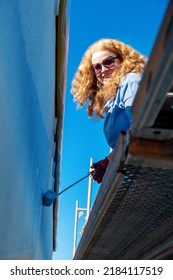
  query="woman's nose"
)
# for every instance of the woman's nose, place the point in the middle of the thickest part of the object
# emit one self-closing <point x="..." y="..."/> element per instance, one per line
<point x="103" y="68"/>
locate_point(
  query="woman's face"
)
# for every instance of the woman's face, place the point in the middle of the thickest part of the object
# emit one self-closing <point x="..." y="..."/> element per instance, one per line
<point x="104" y="63"/>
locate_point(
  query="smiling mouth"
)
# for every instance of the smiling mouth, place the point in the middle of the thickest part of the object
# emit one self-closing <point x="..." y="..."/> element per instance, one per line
<point x="106" y="75"/>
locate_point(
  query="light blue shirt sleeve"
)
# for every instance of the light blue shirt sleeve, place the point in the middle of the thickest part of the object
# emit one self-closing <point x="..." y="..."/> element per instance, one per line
<point x="128" y="92"/>
<point x="118" y="109"/>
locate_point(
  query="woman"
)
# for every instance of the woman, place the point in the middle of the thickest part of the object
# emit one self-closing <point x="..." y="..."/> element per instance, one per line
<point x="108" y="78"/>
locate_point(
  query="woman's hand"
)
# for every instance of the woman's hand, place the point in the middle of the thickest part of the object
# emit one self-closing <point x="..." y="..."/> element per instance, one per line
<point x="99" y="169"/>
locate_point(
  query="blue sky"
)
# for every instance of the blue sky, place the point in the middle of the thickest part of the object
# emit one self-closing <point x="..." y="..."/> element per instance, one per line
<point x="133" y="22"/>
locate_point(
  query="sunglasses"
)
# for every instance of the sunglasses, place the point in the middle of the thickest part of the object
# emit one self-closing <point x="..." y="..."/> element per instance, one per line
<point x="108" y="62"/>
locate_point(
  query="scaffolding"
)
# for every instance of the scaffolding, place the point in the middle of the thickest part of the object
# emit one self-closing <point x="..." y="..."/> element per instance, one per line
<point x="132" y="217"/>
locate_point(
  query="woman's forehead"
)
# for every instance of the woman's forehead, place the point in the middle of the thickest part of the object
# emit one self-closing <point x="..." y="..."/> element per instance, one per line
<point x="100" y="55"/>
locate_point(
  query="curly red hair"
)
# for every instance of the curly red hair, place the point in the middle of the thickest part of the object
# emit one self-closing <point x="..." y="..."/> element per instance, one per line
<point x="86" y="87"/>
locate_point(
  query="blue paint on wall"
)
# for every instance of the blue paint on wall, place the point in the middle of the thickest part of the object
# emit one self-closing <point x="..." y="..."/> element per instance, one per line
<point x="27" y="81"/>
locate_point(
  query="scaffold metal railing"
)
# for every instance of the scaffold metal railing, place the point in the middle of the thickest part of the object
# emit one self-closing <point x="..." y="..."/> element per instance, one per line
<point x="132" y="217"/>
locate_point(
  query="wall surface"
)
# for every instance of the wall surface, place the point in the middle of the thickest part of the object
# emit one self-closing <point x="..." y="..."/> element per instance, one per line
<point x="27" y="89"/>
